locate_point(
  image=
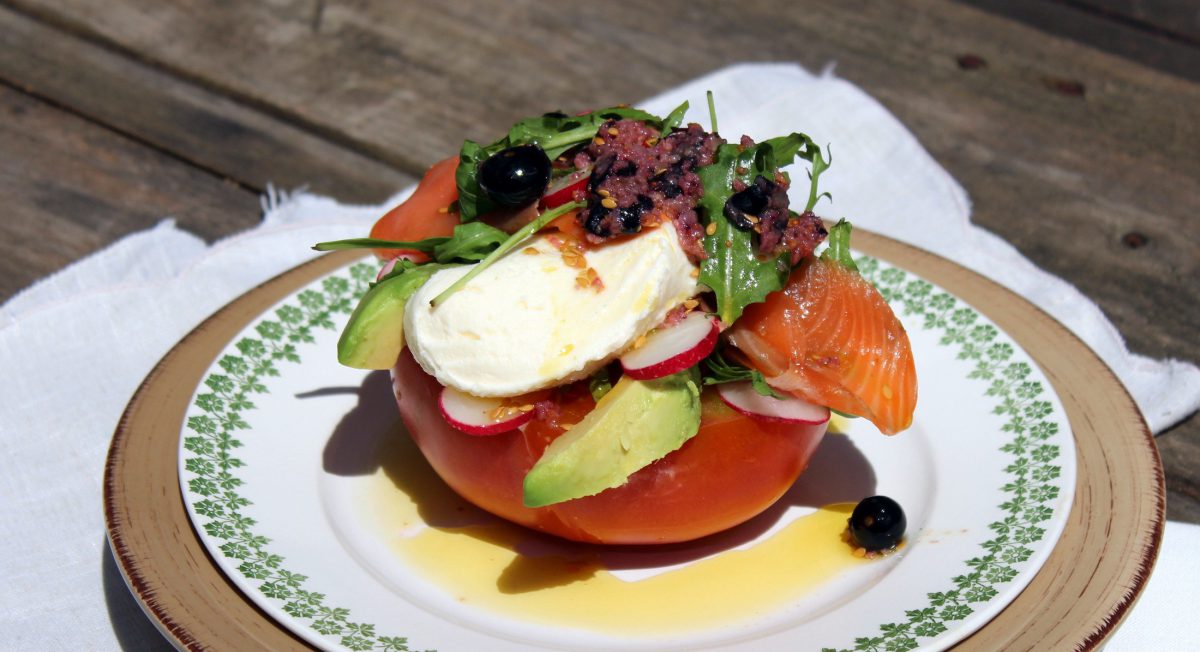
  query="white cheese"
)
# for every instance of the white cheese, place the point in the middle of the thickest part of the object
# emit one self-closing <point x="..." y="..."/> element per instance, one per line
<point x="525" y="323"/>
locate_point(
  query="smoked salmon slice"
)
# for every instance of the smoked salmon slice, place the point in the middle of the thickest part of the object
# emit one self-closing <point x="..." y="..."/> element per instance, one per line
<point x="830" y="338"/>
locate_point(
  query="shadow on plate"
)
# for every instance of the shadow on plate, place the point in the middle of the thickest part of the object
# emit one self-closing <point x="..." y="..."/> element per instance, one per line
<point x="132" y="627"/>
<point x="370" y="437"/>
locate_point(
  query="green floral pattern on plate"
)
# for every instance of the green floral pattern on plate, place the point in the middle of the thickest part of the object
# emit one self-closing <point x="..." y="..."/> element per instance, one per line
<point x="210" y="458"/>
<point x="1032" y="474"/>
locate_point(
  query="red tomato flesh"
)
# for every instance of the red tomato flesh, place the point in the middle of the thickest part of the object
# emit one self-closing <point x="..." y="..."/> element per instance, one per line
<point x="425" y="214"/>
<point x="733" y="469"/>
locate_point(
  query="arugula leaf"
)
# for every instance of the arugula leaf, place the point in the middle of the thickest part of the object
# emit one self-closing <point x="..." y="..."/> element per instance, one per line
<point x="819" y="165"/>
<point x="722" y="371"/>
<point x="839" y="245"/>
<point x="426" y="246"/>
<point x="508" y="245"/>
<point x="734" y="270"/>
<point x="600" y="384"/>
<point x="674" y="119"/>
<point x="555" y="133"/>
<point x="470" y="243"/>
<point x="472" y="200"/>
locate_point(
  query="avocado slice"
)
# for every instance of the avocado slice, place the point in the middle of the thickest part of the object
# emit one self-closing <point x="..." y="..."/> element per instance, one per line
<point x="633" y="425"/>
<point x="374" y="336"/>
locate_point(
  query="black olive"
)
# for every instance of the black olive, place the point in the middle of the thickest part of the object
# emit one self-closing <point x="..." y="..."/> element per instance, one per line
<point x="595" y="221"/>
<point x="515" y="176"/>
<point x="751" y="201"/>
<point x="600" y="171"/>
<point x="631" y="216"/>
<point x="625" y="169"/>
<point x="877" y="523"/>
<point x="666" y="184"/>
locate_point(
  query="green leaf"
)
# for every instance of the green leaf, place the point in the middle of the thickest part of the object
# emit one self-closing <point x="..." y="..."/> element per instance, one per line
<point x="719" y="370"/>
<point x="599" y="384"/>
<point x="472" y="200"/>
<point x="759" y="383"/>
<point x="819" y="165"/>
<point x="839" y="246"/>
<point x="674" y="118"/>
<point x="508" y="245"/>
<point x="425" y="246"/>
<point x="733" y="269"/>
<point x="470" y="243"/>
<point x="554" y="133"/>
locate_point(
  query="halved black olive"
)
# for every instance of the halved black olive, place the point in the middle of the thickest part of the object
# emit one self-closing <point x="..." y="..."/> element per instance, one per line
<point x="751" y="201"/>
<point x="515" y="176"/>
<point x="595" y="221"/>
<point x="631" y="216"/>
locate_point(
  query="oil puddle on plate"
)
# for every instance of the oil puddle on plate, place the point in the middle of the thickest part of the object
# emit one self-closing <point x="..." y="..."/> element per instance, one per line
<point x="442" y="554"/>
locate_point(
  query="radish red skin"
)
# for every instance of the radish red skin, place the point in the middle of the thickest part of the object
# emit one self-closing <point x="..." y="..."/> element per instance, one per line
<point x="678" y="362"/>
<point x="481" y="430"/>
<point x="728" y="394"/>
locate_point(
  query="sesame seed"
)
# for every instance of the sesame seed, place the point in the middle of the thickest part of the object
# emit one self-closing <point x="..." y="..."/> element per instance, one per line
<point x="690" y="303"/>
<point x="651" y="141"/>
<point x="608" y="202"/>
<point x="529" y="251"/>
<point x="598" y="140"/>
<point x="695" y="272"/>
<point x="612" y="131"/>
<point x="729" y="244"/>
<point x="603" y="193"/>
<point x="444" y="209"/>
<point x="711" y="228"/>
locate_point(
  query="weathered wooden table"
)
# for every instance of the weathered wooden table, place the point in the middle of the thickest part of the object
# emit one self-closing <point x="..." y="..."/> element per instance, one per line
<point x="1084" y="155"/>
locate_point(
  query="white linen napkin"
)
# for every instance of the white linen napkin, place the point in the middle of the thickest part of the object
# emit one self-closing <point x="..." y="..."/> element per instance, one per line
<point x="74" y="347"/>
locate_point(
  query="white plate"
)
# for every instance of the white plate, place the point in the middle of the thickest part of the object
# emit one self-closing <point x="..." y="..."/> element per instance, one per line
<point x="295" y="477"/>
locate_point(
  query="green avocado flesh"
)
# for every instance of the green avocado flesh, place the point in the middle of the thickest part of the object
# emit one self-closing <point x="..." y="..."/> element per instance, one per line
<point x="374" y="336"/>
<point x="633" y="425"/>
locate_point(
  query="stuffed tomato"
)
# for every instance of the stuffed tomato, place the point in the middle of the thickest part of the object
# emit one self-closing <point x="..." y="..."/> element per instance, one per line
<point x="702" y="488"/>
<point x="616" y="329"/>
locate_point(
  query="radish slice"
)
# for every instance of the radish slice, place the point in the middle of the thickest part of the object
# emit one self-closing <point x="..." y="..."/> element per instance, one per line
<point x="387" y="269"/>
<point x="672" y="349"/>
<point x="743" y="398"/>
<point x="480" y="416"/>
<point x="391" y="264"/>
<point x="562" y="191"/>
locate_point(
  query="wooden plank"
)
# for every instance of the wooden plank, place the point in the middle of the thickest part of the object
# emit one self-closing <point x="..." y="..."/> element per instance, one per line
<point x="71" y="188"/>
<point x="1107" y="29"/>
<point x="1067" y="152"/>
<point x="1173" y="17"/>
<point x="406" y="84"/>
<point x="206" y="129"/>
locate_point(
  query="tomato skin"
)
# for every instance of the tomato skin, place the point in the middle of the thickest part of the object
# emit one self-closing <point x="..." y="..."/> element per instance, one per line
<point x="733" y="469"/>
<point x="424" y="214"/>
